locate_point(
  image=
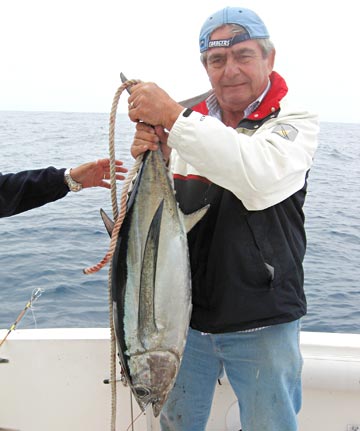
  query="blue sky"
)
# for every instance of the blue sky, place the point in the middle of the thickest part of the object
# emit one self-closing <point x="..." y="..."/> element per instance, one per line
<point x="66" y="55"/>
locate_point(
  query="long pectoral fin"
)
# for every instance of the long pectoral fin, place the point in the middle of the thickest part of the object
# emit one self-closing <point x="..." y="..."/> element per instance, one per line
<point x="146" y="317"/>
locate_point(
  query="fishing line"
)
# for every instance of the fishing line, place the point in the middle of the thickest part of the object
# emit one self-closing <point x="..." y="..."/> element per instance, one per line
<point x="132" y="414"/>
<point x="33" y="316"/>
<point x="32" y="309"/>
<point x="133" y="420"/>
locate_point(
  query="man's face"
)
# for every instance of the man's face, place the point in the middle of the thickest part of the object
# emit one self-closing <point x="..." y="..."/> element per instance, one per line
<point x="239" y="74"/>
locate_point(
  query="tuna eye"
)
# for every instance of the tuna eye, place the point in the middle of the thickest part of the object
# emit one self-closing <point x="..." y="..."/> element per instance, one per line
<point x="142" y="392"/>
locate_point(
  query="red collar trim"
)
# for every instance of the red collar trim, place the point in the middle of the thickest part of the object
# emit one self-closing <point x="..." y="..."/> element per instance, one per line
<point x="271" y="102"/>
<point x="201" y="108"/>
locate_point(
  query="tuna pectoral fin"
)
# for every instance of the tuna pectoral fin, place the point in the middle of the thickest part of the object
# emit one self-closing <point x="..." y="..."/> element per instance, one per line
<point x="109" y="224"/>
<point x="146" y="317"/>
<point x="190" y="220"/>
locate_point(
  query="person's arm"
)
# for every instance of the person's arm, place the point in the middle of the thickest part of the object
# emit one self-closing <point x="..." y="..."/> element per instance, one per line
<point x="262" y="169"/>
<point x="25" y="190"/>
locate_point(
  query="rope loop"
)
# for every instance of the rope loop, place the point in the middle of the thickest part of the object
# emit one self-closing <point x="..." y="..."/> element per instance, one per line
<point x="118" y="218"/>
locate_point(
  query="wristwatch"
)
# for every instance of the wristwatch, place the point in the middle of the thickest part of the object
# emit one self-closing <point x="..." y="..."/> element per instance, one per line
<point x="71" y="183"/>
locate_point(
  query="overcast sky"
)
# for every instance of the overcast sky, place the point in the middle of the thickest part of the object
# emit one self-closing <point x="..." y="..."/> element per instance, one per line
<point x="66" y="55"/>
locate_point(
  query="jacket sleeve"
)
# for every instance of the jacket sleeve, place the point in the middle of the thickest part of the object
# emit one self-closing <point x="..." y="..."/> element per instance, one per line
<point x="261" y="169"/>
<point x="30" y="189"/>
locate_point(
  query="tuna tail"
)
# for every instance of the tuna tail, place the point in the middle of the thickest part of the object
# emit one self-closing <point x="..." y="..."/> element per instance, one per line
<point x="146" y="315"/>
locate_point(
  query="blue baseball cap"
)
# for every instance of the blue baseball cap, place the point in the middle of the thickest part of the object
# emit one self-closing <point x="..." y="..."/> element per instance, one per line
<point x="249" y="20"/>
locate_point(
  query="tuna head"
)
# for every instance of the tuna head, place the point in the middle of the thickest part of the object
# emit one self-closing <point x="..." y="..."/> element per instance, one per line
<point x="153" y="375"/>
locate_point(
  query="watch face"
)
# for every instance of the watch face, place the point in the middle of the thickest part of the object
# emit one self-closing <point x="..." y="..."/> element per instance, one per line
<point x="76" y="187"/>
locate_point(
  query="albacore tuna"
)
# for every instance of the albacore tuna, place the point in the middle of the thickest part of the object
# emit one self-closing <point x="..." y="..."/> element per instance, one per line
<point x="151" y="284"/>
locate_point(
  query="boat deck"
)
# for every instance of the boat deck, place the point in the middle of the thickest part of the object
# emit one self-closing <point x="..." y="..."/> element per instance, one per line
<point x="55" y="381"/>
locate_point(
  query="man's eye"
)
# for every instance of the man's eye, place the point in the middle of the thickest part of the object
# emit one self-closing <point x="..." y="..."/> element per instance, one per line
<point x="217" y="61"/>
<point x="243" y="58"/>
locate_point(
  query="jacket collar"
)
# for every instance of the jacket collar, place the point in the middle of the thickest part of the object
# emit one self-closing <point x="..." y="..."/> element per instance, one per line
<point x="271" y="102"/>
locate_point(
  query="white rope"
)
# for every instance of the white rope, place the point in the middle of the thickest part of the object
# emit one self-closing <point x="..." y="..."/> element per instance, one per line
<point x="118" y="218"/>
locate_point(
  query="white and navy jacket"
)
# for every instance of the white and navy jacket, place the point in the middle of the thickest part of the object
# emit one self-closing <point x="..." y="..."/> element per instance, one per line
<point x="247" y="252"/>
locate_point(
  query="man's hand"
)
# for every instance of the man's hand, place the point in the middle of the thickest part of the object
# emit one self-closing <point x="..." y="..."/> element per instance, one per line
<point x="95" y="174"/>
<point x="149" y="138"/>
<point x="152" y="105"/>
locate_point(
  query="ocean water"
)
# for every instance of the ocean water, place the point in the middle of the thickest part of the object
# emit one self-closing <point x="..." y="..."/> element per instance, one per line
<point x="48" y="247"/>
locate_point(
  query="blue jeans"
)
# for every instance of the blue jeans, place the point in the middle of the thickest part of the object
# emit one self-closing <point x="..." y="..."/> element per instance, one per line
<point x="263" y="368"/>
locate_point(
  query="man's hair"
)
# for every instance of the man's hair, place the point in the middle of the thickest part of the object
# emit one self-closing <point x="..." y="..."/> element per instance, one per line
<point x="266" y="45"/>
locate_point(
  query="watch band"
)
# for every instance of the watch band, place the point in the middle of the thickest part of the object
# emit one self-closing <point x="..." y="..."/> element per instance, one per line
<point x="73" y="185"/>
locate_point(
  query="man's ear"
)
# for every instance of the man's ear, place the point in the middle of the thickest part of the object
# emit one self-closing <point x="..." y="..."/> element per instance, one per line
<point x="271" y="60"/>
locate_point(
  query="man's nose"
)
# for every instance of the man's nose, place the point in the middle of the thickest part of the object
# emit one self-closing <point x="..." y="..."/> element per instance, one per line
<point x="231" y="67"/>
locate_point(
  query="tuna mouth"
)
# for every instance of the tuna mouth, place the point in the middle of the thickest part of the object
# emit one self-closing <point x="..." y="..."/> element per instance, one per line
<point x="146" y="399"/>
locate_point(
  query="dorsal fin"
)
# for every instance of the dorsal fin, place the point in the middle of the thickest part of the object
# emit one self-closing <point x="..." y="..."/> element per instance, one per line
<point x="109" y="224"/>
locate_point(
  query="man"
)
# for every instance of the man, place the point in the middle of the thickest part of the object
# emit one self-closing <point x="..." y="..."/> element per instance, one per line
<point x="247" y="152"/>
<point x="30" y="189"/>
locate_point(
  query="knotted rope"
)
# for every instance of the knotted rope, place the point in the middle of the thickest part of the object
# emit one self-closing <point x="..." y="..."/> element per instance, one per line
<point x="118" y="218"/>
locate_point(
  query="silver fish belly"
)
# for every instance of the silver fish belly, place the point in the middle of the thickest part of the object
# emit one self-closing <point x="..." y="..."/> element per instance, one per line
<point x="151" y="286"/>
